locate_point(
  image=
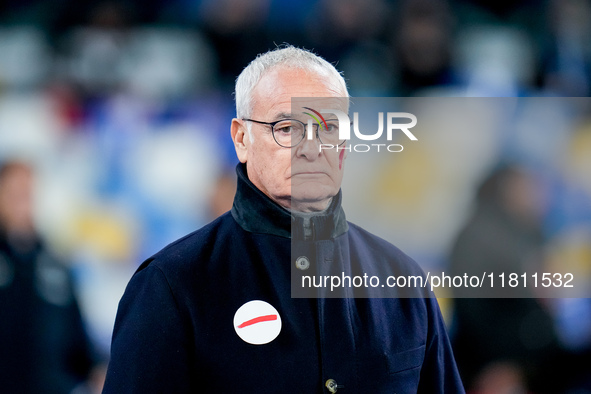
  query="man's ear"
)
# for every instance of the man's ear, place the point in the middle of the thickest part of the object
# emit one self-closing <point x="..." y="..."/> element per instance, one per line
<point x="342" y="154"/>
<point x="240" y="137"/>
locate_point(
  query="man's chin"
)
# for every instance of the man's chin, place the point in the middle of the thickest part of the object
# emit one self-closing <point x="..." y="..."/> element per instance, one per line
<point x="310" y="202"/>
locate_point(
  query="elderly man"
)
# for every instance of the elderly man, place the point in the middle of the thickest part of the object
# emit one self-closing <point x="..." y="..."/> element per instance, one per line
<point x="213" y="312"/>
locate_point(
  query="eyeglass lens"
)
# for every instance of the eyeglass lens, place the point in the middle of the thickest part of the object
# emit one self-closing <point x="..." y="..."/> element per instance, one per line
<point x="291" y="132"/>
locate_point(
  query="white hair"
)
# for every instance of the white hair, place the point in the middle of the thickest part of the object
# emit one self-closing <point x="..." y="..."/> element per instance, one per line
<point x="286" y="56"/>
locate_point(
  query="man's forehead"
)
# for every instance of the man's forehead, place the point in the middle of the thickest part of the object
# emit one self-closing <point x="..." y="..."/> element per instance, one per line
<point x="290" y="91"/>
<point x="301" y="107"/>
<point x="311" y="105"/>
<point x="304" y="104"/>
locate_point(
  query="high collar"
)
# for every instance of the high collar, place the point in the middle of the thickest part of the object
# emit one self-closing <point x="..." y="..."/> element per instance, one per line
<point x="257" y="213"/>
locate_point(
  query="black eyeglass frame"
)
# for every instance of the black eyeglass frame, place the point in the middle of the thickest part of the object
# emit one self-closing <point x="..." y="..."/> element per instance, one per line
<point x="272" y="124"/>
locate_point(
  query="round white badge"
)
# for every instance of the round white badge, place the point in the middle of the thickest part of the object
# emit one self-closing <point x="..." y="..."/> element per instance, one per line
<point x="257" y="322"/>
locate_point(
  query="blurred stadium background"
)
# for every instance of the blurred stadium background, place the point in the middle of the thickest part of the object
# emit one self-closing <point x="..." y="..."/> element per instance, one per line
<point x="124" y="109"/>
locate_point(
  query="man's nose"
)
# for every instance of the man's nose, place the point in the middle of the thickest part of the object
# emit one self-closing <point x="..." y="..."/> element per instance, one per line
<point x="310" y="148"/>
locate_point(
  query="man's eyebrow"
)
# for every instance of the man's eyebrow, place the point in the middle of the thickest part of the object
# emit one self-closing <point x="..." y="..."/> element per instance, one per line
<point x="283" y="115"/>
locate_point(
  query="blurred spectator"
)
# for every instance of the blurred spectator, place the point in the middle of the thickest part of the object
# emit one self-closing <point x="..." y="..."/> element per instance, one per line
<point x="236" y="29"/>
<point x="109" y="56"/>
<point x="337" y="26"/>
<point x="494" y="61"/>
<point x="500" y="378"/>
<point x="94" y="60"/>
<point x="504" y="11"/>
<point x="353" y="33"/>
<point x="421" y="40"/>
<point x="567" y="57"/>
<point x="43" y="344"/>
<point x="504" y="342"/>
<point x="94" y="49"/>
<point x="25" y="61"/>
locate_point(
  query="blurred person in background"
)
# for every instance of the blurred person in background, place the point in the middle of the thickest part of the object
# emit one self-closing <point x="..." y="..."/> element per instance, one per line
<point x="504" y="345"/>
<point x="421" y="40"/>
<point x="345" y="25"/>
<point x="237" y="30"/>
<point x="566" y="51"/>
<point x="43" y="344"/>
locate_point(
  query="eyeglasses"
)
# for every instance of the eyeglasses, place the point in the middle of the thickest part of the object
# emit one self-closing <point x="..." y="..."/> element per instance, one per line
<point x="290" y="132"/>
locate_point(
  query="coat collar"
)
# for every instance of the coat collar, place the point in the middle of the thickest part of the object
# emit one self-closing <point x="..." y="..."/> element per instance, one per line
<point x="257" y="213"/>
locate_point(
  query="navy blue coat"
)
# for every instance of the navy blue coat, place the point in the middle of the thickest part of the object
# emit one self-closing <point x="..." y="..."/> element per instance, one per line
<point x="174" y="331"/>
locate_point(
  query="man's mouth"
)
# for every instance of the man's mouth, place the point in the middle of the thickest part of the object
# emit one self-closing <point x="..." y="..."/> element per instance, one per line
<point x="309" y="173"/>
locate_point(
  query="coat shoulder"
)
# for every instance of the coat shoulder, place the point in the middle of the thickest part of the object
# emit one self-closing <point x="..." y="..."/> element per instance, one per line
<point x="382" y="250"/>
<point x="184" y="253"/>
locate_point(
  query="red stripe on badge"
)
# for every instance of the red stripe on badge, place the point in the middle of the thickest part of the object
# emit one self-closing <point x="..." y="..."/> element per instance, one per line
<point x="259" y="319"/>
